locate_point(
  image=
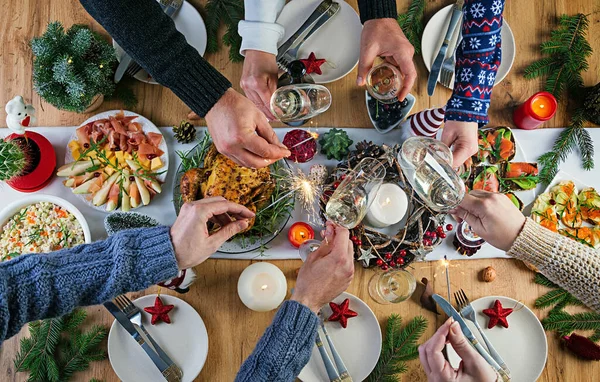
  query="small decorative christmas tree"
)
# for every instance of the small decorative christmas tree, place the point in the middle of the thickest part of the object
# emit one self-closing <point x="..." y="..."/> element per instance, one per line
<point x="335" y="144"/>
<point x="71" y="68"/>
<point x="14" y="158"/>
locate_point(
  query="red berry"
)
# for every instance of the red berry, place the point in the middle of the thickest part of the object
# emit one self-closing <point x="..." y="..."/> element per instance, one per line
<point x="379" y="262"/>
<point x="449" y="227"/>
<point x="388" y="256"/>
<point x="384" y="267"/>
<point x="427" y="234"/>
<point x="400" y="261"/>
<point x="359" y="242"/>
<point x="440" y="229"/>
<point x="336" y="184"/>
<point x="435" y="234"/>
<point x="403" y="252"/>
<point x="427" y="242"/>
<point x="354" y="239"/>
<point x="392" y="264"/>
<point x="442" y="235"/>
<point x="343" y="177"/>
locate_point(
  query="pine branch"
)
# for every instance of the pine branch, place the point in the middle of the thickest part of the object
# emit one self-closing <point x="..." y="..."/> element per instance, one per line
<point x="565" y="323"/>
<point x="540" y="279"/>
<point x="399" y="345"/>
<point x="228" y="12"/>
<point x="411" y="23"/>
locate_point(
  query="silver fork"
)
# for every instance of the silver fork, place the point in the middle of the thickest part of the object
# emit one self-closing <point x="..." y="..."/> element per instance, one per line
<point x="292" y="54"/>
<point x="449" y="64"/>
<point x="466" y="310"/>
<point x="173" y="373"/>
<point x="133" y="69"/>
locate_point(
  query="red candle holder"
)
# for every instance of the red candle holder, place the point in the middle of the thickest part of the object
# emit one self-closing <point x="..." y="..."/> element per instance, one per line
<point x="538" y="109"/>
<point x="41" y="175"/>
<point x="299" y="233"/>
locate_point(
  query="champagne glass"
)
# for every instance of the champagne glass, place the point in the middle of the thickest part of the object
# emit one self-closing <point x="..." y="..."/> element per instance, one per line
<point x="350" y="202"/>
<point x="426" y="164"/>
<point x="299" y="102"/>
<point x="384" y="82"/>
<point x="392" y="287"/>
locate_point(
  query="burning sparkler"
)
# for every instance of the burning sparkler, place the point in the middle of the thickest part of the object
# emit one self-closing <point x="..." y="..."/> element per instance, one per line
<point x="313" y="135"/>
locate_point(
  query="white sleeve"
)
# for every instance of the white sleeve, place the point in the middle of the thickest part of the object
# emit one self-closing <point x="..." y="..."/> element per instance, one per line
<point x="259" y="30"/>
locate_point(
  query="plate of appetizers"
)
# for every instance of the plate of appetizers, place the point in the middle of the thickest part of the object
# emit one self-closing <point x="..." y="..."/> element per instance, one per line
<point x="116" y="160"/>
<point x="571" y="208"/>
<point x="204" y="172"/>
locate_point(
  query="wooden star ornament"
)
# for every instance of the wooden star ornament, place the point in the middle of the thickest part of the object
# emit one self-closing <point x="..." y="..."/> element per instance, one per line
<point x="497" y="315"/>
<point x="341" y="312"/>
<point x="159" y="311"/>
<point x="313" y="64"/>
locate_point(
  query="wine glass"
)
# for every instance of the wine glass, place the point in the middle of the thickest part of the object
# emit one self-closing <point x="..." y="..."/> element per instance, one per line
<point x="384" y="82"/>
<point x="307" y="248"/>
<point x="299" y="102"/>
<point x="427" y="165"/>
<point x="350" y="202"/>
<point x="392" y="287"/>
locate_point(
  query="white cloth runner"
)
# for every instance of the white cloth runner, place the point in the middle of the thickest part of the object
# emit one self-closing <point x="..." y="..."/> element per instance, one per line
<point x="534" y="143"/>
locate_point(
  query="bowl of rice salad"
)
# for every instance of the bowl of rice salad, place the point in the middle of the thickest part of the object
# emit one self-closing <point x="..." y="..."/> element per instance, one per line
<point x="40" y="224"/>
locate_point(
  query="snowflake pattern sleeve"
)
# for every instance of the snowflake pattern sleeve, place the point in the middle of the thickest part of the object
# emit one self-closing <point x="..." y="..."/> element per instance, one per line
<point x="477" y="61"/>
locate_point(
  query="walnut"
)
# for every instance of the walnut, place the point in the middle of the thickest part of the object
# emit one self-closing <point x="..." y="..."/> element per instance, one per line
<point x="488" y="274"/>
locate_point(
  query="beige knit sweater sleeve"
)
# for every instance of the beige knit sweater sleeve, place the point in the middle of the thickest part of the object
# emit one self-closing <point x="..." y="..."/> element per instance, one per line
<point x="564" y="261"/>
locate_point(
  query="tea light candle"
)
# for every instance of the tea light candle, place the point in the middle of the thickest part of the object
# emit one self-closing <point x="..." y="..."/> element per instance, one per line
<point x="538" y="109"/>
<point x="262" y="287"/>
<point x="299" y="233"/>
<point x="388" y="206"/>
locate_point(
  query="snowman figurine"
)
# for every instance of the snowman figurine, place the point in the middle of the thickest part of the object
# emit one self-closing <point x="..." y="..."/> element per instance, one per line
<point x="19" y="115"/>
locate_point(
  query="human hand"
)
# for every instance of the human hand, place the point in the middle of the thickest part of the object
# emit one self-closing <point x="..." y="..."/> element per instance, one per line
<point x="463" y="136"/>
<point x="492" y="216"/>
<point x="190" y="237"/>
<point x="384" y="38"/>
<point x="259" y="79"/>
<point x="473" y="368"/>
<point x="327" y="271"/>
<point x="241" y="132"/>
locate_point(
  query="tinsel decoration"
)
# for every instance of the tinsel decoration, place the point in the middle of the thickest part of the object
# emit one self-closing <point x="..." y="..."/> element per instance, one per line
<point x="399" y="345"/>
<point x="57" y="348"/>
<point x="185" y="132"/>
<point x="72" y="67"/>
<point x="582" y="347"/>
<point x="567" y="54"/>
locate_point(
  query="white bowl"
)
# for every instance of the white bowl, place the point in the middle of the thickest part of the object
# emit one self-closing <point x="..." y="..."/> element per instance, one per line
<point x="10" y="210"/>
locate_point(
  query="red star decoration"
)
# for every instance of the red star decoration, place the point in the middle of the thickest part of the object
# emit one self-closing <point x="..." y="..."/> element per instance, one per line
<point x="313" y="65"/>
<point x="159" y="311"/>
<point x="341" y="312"/>
<point x="497" y="315"/>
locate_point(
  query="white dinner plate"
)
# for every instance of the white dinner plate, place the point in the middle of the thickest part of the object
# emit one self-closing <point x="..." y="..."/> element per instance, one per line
<point x="185" y="340"/>
<point x="338" y="41"/>
<point x="522" y="345"/>
<point x="147" y="127"/>
<point x="436" y="28"/>
<point x="359" y="345"/>
<point x="187" y="21"/>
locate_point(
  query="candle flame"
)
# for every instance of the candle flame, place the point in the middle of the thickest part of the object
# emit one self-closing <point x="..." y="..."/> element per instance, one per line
<point x="264" y="287"/>
<point x="314" y="134"/>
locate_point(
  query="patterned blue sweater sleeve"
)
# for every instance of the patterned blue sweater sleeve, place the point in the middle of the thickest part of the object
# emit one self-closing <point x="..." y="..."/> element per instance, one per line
<point x="477" y="61"/>
<point x="284" y="348"/>
<point x="37" y="286"/>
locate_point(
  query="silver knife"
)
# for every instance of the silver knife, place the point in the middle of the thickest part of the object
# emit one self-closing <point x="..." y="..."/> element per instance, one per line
<point x="437" y="63"/>
<point x="316" y="15"/>
<point x="128" y="326"/>
<point x="451" y="312"/>
<point x="126" y="59"/>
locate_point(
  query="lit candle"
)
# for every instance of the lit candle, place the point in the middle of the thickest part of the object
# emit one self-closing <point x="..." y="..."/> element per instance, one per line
<point x="299" y="233"/>
<point x="538" y="109"/>
<point x="388" y="206"/>
<point x="262" y="287"/>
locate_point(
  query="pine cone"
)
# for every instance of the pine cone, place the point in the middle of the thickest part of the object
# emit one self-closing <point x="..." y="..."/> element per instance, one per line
<point x="185" y="132"/>
<point x="591" y="104"/>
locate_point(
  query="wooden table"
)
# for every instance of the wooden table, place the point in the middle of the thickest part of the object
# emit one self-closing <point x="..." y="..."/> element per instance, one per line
<point x="233" y="329"/>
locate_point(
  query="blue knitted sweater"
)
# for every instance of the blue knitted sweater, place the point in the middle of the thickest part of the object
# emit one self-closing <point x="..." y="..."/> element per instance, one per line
<point x="34" y="287"/>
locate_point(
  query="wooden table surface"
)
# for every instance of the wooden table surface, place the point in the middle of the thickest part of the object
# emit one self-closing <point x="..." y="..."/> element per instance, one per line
<point x="233" y="329"/>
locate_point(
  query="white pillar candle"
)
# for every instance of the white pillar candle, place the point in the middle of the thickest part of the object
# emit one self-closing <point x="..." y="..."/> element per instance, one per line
<point x="388" y="207"/>
<point x="262" y="287"/>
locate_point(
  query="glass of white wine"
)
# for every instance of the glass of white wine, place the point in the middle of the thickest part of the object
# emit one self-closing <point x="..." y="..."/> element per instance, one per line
<point x="350" y="202"/>
<point x="392" y="287"/>
<point x="427" y="165"/>
<point x="384" y="82"/>
<point x="299" y="102"/>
